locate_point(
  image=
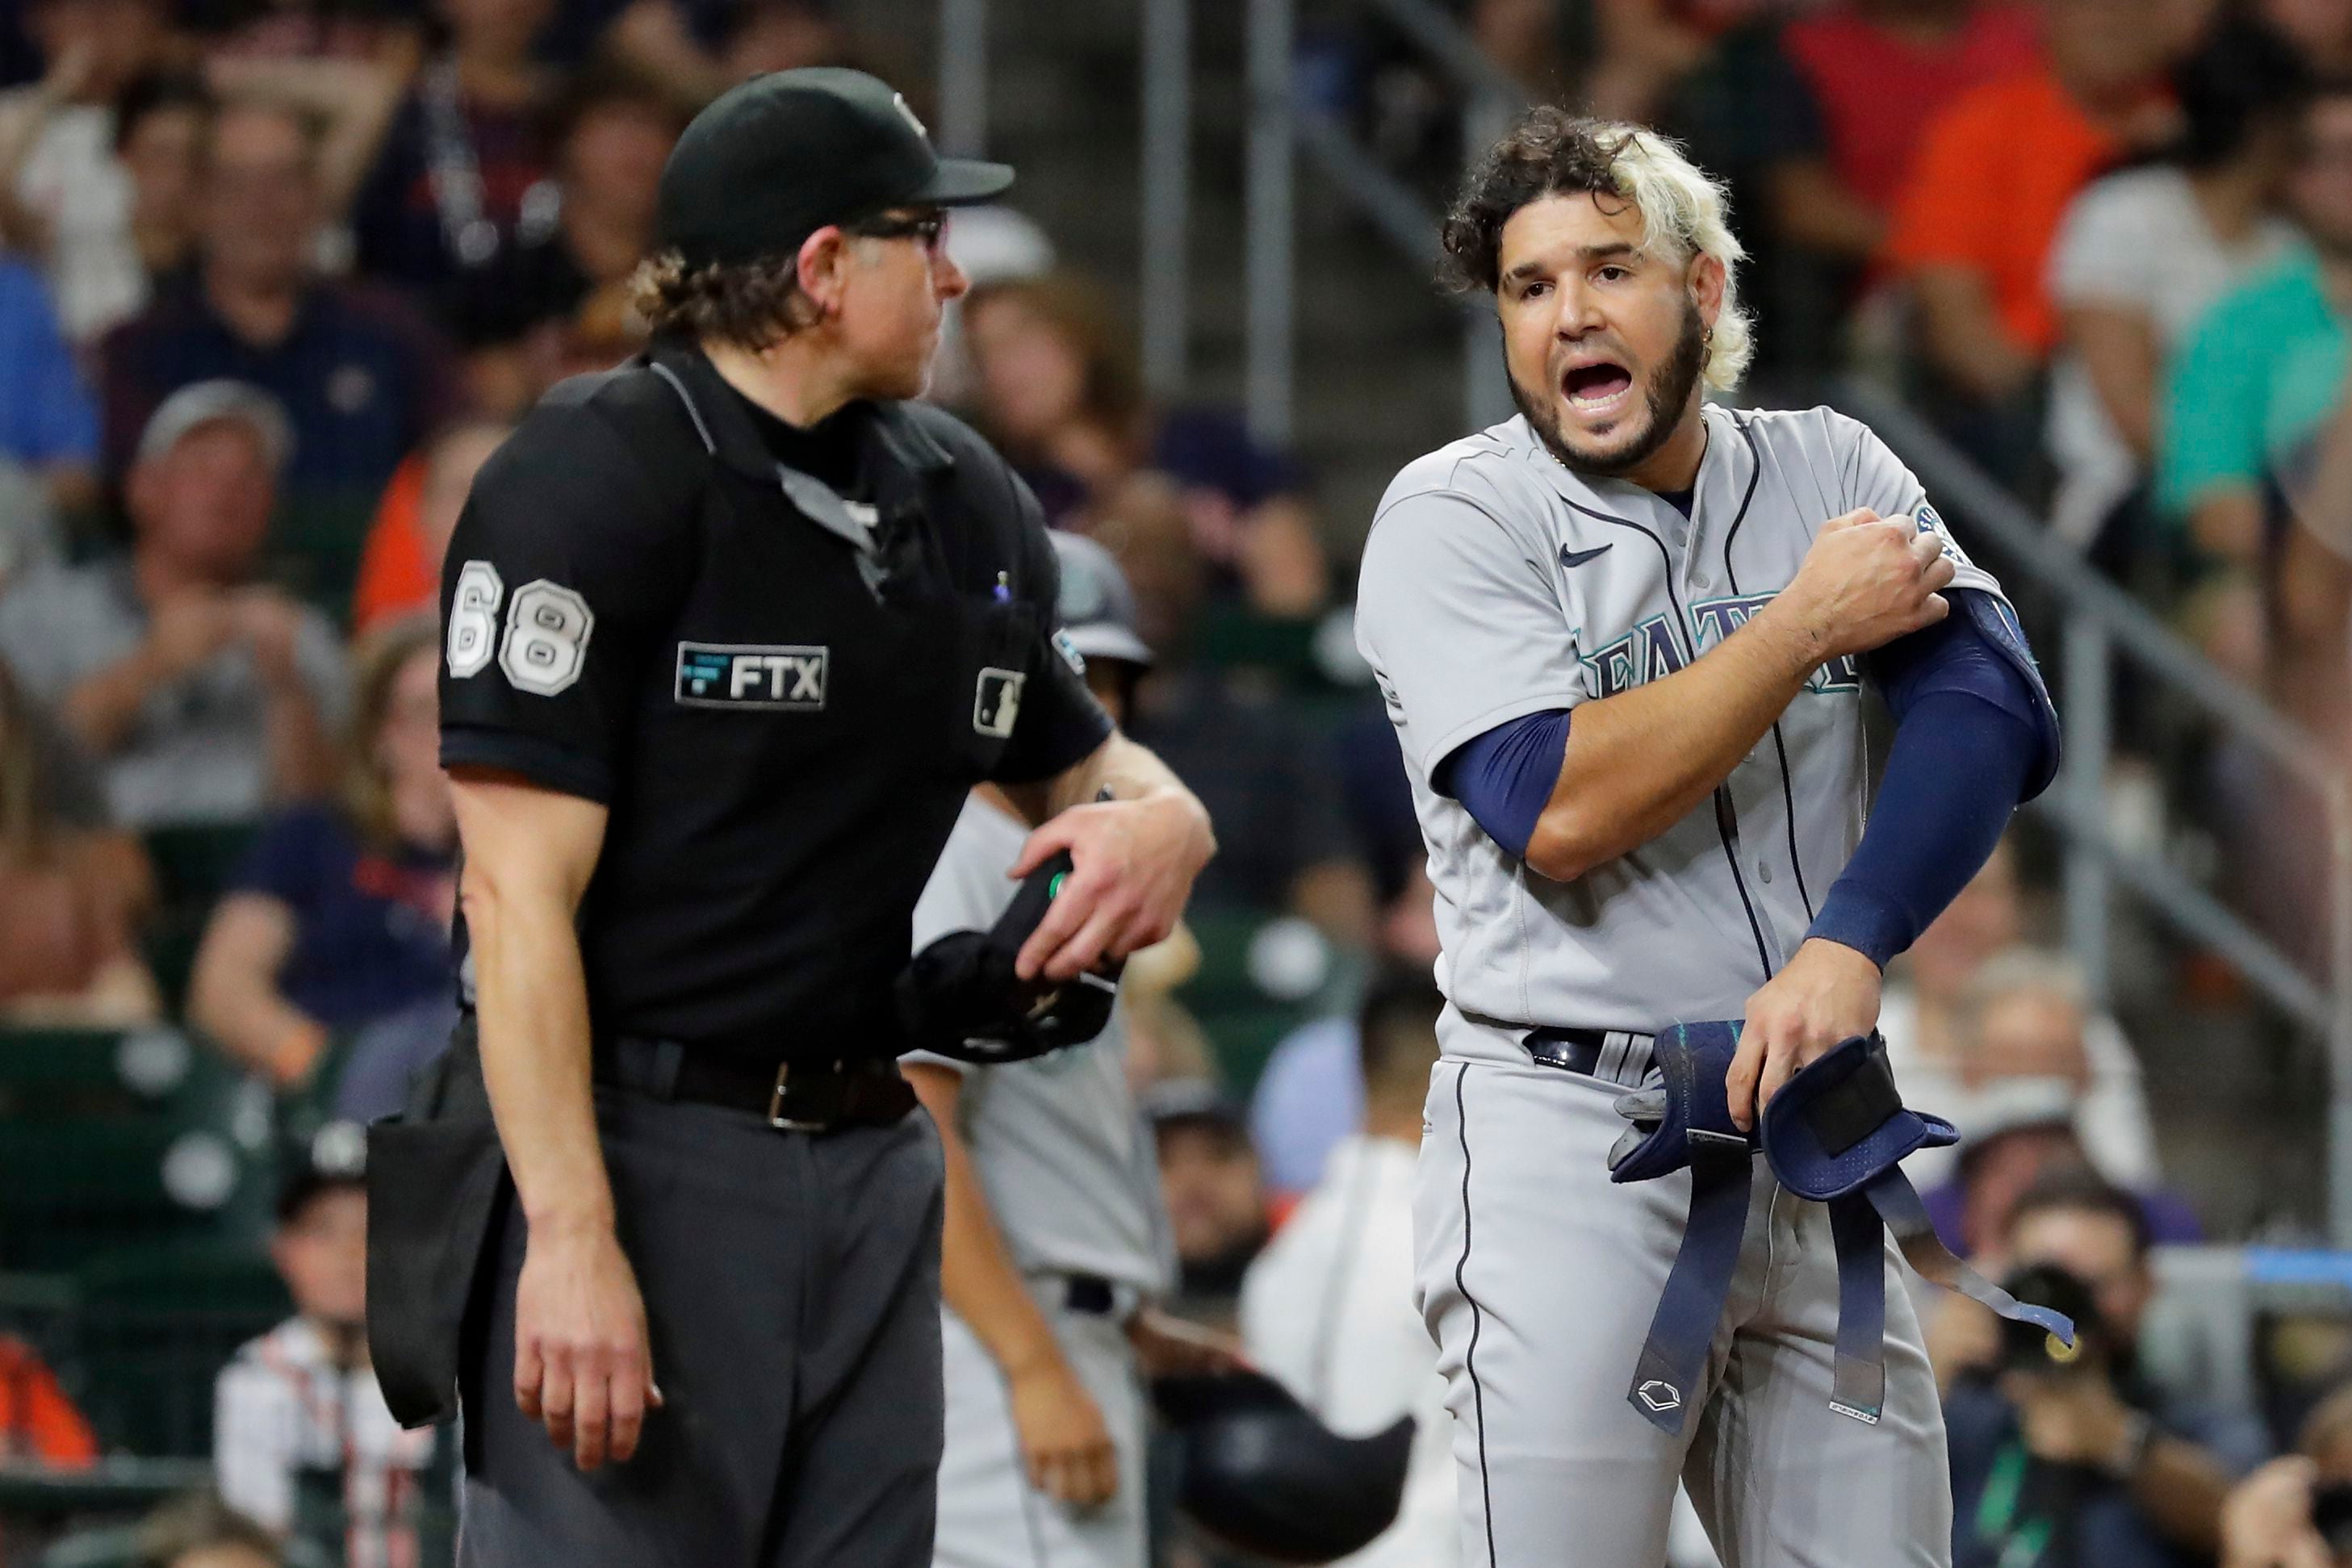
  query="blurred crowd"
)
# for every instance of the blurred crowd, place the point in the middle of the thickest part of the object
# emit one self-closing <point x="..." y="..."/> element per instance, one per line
<point x="277" y="276"/>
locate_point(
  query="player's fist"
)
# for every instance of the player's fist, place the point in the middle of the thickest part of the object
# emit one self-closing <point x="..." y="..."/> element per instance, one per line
<point x="1866" y="581"/>
<point x="1064" y="1443"/>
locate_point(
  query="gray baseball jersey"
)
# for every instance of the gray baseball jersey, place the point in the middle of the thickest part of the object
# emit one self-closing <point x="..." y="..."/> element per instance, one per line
<point x="1497" y="583"/>
<point x="1067" y="1167"/>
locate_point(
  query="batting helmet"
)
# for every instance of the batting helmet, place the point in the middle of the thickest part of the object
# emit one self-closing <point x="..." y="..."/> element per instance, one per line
<point x="1261" y="1473"/>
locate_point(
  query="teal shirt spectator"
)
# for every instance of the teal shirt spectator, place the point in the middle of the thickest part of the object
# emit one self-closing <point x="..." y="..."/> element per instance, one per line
<point x="47" y="415"/>
<point x="2253" y="387"/>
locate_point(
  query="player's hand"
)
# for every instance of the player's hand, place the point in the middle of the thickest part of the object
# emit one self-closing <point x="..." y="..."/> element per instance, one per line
<point x="1865" y="583"/>
<point x="1827" y="993"/>
<point x="584" y="1365"/>
<point x="1064" y="1444"/>
<point x="1131" y="867"/>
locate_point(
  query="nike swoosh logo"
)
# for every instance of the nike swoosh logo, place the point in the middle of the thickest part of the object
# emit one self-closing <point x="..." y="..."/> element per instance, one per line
<point x="1572" y="557"/>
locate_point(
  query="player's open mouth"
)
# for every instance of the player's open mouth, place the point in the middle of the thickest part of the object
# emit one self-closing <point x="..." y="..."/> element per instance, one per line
<point x="1597" y="388"/>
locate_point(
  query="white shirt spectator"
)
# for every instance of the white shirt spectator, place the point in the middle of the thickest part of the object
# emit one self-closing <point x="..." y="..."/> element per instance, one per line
<point x="2112" y="1117"/>
<point x="77" y="185"/>
<point x="1328" y="1310"/>
<point x="283" y="1406"/>
<point x="2134" y="241"/>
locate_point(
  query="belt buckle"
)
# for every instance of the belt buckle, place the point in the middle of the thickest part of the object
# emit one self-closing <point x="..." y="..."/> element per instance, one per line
<point x="776" y="1118"/>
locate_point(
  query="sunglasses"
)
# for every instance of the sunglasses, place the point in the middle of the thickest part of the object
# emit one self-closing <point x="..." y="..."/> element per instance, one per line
<point x="927" y="230"/>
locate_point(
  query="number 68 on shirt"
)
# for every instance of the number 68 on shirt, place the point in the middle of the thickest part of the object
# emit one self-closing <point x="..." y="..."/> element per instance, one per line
<point x="547" y="631"/>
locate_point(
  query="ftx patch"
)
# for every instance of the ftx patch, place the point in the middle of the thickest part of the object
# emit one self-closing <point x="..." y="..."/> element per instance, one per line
<point x="752" y="675"/>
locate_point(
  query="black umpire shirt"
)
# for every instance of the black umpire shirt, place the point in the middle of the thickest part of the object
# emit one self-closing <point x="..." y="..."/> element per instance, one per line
<point x="780" y="686"/>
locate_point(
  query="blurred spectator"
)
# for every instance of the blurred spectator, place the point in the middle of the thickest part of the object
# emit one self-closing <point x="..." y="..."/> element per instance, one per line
<point x="2249" y="395"/>
<point x="71" y="892"/>
<point x="1973" y="223"/>
<point x="159" y="125"/>
<point x="1281" y="832"/>
<point x="2293" y="1513"/>
<point x="1646" y="46"/>
<point x="1310" y="1097"/>
<point x="2142" y="253"/>
<point x="400" y="566"/>
<point x="462" y="172"/>
<point x="39" y="1425"/>
<point x="2321" y="31"/>
<point x="527" y="314"/>
<point x="698" y="48"/>
<point x="1061" y="392"/>
<point x="1877" y="73"/>
<point x="2084" y="1463"/>
<point x="363" y="378"/>
<point x="1216" y="1209"/>
<point x="306" y="30"/>
<point x="1328" y="1308"/>
<point x="1932" y="1007"/>
<point x="47" y="420"/>
<point x="301" y="1440"/>
<point x="31" y="534"/>
<point x="65" y="197"/>
<point x="341" y="913"/>
<point x="2016" y="1133"/>
<point x="207" y="698"/>
<point x="202" y="1531"/>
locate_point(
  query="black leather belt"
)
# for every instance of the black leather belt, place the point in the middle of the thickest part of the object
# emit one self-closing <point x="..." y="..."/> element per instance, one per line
<point x="1616" y="1055"/>
<point x="795" y="1096"/>
<point x="1091" y="1295"/>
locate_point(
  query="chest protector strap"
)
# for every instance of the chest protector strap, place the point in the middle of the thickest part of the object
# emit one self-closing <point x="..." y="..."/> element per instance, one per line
<point x="1834" y="1133"/>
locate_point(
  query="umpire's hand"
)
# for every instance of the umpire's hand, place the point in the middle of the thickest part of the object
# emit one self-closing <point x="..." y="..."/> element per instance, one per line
<point x="583" y="1368"/>
<point x="1132" y="864"/>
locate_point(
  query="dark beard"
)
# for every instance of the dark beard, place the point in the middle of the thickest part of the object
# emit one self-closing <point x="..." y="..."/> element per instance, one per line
<point x="1668" y="394"/>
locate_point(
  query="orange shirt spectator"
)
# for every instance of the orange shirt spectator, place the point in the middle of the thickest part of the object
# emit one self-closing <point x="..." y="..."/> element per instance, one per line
<point x="1994" y="176"/>
<point x="38" y="1421"/>
<point x="400" y="566"/>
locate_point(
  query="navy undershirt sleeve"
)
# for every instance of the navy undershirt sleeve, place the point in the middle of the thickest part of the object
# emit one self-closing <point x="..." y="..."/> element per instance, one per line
<point x="1973" y="738"/>
<point x="1505" y="777"/>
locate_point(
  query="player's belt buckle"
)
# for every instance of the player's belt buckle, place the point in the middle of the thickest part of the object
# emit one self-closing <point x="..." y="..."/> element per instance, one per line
<point x="784" y="1115"/>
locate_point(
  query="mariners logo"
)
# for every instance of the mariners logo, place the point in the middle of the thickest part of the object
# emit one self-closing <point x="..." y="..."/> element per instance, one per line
<point x="752" y="675"/>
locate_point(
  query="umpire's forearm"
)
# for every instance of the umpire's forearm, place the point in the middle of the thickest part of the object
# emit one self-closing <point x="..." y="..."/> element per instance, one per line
<point x="530" y="999"/>
<point x="1636" y="763"/>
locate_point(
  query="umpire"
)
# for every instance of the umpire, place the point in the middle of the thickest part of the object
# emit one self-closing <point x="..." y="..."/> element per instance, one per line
<point x="732" y="629"/>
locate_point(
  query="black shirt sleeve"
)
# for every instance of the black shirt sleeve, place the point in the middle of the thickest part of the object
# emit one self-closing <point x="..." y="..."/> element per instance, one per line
<point x="562" y="576"/>
<point x="1060" y="723"/>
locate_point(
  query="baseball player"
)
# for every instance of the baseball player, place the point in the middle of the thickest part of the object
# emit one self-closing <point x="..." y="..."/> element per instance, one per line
<point x="1624" y="638"/>
<point x="1056" y="1238"/>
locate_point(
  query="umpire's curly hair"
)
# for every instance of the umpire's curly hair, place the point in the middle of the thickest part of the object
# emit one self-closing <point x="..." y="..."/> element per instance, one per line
<point x="1552" y="152"/>
<point x="752" y="304"/>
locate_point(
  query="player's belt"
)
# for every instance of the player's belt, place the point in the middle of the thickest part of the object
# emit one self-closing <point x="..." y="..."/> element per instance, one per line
<point x="793" y="1096"/>
<point x="1616" y="1055"/>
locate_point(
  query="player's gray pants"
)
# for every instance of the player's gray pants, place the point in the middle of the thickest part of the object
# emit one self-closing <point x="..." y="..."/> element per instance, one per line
<point x="791" y="1285"/>
<point x="1537" y="1278"/>
<point x="990" y="1516"/>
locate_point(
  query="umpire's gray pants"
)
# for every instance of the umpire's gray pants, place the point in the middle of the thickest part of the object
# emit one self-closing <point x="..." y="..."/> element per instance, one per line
<point x="792" y="1284"/>
<point x="1537" y="1278"/>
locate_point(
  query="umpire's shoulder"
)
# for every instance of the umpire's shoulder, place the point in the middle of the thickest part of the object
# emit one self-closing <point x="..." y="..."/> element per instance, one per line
<point x="615" y="433"/>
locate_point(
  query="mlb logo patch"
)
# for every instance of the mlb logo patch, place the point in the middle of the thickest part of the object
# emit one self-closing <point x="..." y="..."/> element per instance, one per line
<point x="996" y="706"/>
<point x="752" y="675"/>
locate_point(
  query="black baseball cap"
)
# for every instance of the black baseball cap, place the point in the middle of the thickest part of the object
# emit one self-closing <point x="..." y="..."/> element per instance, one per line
<point x="775" y="159"/>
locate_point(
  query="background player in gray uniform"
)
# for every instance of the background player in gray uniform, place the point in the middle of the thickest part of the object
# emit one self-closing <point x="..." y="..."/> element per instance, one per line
<point x="1056" y="1238"/>
<point x="1624" y="638"/>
